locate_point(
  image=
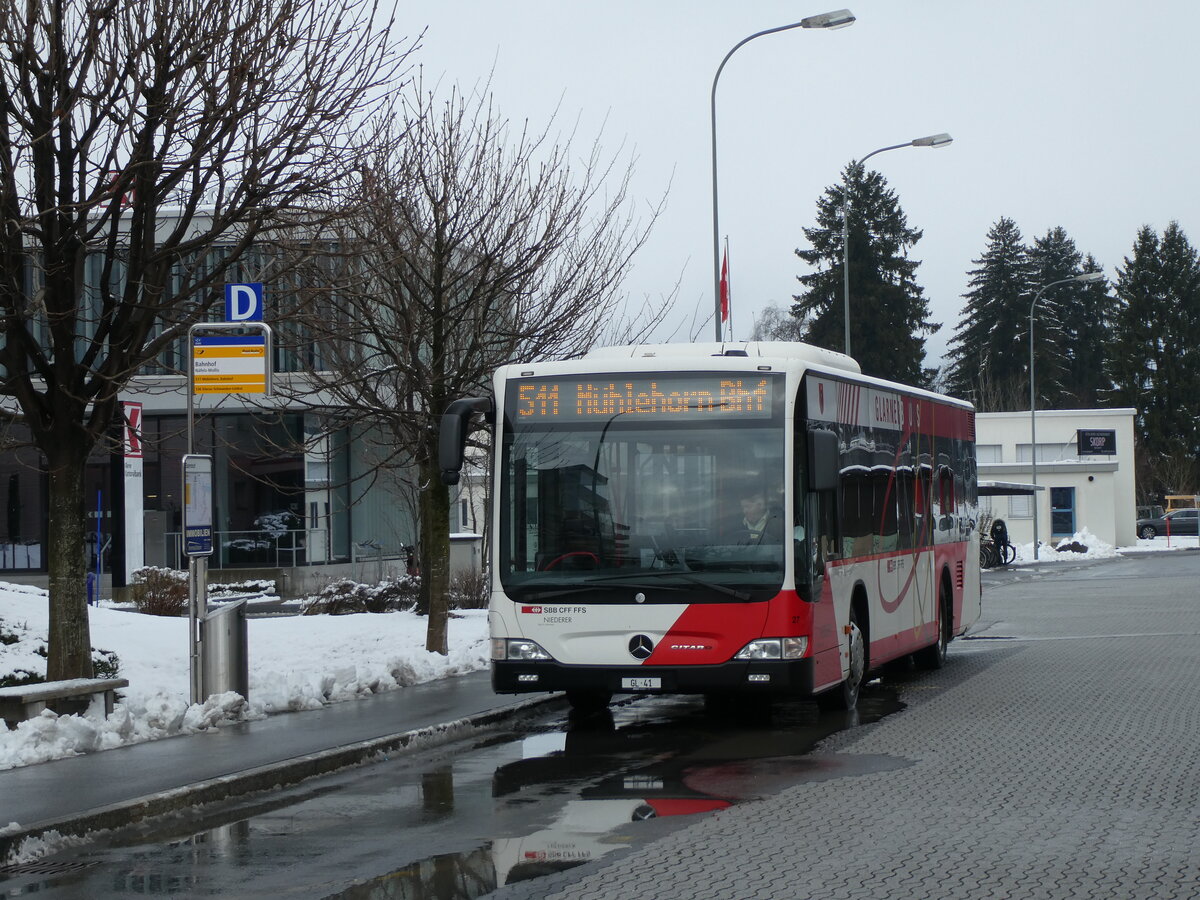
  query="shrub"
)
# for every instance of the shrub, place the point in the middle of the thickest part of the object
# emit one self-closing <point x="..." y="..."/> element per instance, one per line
<point x="251" y="586"/>
<point x="105" y="664"/>
<point x="345" y="596"/>
<point x="160" y="592"/>
<point x="20" y="678"/>
<point x="469" y="590"/>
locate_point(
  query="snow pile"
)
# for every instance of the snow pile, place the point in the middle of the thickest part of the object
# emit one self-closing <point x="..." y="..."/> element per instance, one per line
<point x="1068" y="549"/>
<point x="296" y="663"/>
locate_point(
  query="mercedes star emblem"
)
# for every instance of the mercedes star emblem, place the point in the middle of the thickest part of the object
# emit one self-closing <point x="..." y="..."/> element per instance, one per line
<point x="640" y="646"/>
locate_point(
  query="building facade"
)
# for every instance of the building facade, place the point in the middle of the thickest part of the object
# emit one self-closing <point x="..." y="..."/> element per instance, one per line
<point x="1085" y="465"/>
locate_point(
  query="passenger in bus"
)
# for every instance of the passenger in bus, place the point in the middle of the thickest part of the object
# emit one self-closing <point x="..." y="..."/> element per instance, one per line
<point x="760" y="522"/>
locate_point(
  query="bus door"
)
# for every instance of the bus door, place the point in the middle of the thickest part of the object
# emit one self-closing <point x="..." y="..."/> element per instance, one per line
<point x="817" y="542"/>
<point x="922" y="514"/>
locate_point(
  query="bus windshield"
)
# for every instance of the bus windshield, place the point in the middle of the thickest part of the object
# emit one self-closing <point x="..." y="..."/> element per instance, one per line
<point x="629" y="499"/>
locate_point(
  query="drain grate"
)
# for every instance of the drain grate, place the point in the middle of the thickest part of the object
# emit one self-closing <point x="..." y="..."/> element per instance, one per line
<point x="46" y="867"/>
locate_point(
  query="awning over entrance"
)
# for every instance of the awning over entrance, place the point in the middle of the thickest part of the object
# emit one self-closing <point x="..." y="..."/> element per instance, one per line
<point x="1006" y="488"/>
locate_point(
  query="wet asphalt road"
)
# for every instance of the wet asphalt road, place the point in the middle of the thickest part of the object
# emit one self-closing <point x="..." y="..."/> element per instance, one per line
<point x="463" y="820"/>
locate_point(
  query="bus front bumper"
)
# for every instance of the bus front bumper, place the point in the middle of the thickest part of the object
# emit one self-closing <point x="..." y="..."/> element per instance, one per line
<point x="780" y="677"/>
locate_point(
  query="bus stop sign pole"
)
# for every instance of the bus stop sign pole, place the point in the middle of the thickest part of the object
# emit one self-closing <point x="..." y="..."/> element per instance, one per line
<point x="198" y="546"/>
<point x="228" y="358"/>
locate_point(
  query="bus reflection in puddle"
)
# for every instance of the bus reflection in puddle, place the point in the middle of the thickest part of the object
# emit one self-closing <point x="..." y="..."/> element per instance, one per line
<point x="698" y="767"/>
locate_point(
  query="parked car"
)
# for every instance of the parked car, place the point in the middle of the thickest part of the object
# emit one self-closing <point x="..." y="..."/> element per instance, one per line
<point x="1181" y="521"/>
<point x="1150" y="512"/>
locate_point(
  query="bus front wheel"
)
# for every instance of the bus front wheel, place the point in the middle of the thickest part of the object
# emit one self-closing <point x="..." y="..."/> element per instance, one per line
<point x="845" y="695"/>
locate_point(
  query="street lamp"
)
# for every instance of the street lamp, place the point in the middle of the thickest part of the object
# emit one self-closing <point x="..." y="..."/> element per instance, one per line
<point x="1085" y="278"/>
<point x="933" y="140"/>
<point x="839" y="18"/>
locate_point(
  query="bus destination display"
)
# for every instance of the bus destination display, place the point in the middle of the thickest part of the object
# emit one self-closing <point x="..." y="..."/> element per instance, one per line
<point x="659" y="397"/>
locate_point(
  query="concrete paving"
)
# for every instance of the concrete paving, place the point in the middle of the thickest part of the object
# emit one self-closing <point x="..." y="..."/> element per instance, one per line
<point x="1056" y="756"/>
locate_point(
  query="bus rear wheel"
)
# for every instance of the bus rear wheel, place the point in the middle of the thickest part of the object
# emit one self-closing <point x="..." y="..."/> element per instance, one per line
<point x="845" y="695"/>
<point x="588" y="701"/>
<point x="934" y="656"/>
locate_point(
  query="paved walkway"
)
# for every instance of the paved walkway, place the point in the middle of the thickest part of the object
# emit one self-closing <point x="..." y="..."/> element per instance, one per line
<point x="1059" y="759"/>
<point x="1057" y="756"/>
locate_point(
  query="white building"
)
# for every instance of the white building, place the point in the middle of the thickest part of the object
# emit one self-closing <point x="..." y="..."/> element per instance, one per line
<point x="1084" y="463"/>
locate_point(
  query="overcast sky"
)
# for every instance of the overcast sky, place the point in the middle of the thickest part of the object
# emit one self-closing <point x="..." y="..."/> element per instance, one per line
<point x="1081" y="114"/>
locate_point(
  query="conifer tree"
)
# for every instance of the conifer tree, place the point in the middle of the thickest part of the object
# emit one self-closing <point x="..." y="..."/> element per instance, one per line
<point x="889" y="316"/>
<point x="989" y="352"/>
<point x="1070" y="324"/>
<point x="1087" y="334"/>
<point x="1156" y="345"/>
<point x="1051" y="258"/>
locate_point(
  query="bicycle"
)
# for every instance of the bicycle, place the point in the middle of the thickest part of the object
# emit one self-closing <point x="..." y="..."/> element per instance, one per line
<point x="1006" y="553"/>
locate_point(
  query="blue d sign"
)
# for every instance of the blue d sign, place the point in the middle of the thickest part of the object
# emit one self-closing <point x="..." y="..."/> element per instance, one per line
<point x="244" y="302"/>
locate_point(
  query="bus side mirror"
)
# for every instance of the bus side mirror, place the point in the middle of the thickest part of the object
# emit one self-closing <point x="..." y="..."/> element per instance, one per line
<point x="452" y="438"/>
<point x="822" y="460"/>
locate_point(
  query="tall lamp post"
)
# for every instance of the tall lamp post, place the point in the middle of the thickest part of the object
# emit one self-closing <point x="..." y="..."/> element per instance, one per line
<point x="933" y="140"/>
<point x="839" y="18"/>
<point x="1085" y="278"/>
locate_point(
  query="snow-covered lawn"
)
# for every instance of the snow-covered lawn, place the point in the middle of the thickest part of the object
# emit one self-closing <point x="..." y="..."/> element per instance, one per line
<point x="296" y="663"/>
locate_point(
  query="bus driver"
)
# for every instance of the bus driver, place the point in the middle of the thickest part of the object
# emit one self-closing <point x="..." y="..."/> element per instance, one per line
<point x="759" y="522"/>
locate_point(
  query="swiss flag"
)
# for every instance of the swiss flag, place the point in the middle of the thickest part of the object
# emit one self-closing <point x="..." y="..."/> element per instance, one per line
<point x="725" y="286"/>
<point x="133" y="430"/>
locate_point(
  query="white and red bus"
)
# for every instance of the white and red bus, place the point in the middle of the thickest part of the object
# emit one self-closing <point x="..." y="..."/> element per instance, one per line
<point x="622" y="556"/>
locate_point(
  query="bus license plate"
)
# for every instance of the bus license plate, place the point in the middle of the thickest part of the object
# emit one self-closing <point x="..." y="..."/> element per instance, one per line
<point x="641" y="684"/>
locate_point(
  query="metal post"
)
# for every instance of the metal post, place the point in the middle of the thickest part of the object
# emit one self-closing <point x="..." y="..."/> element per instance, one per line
<point x="836" y="19"/>
<point x="197" y="566"/>
<point x="197" y="604"/>
<point x="1083" y="278"/>
<point x="846" y="263"/>
<point x="933" y="140"/>
<point x="1033" y="427"/>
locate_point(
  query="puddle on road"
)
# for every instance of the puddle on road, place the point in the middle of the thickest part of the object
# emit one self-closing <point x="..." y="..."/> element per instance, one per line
<point x="554" y="800"/>
<point x="722" y="763"/>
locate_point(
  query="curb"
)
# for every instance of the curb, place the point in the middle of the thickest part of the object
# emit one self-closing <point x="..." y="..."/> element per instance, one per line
<point x="261" y="778"/>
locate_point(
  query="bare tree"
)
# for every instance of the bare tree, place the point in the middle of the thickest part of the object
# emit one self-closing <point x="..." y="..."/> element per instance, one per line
<point x="775" y="323"/>
<point x="475" y="244"/>
<point x="1174" y="471"/>
<point x="134" y="139"/>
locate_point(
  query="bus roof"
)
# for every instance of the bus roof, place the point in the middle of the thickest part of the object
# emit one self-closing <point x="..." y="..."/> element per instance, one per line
<point x="675" y="357"/>
<point x="781" y="350"/>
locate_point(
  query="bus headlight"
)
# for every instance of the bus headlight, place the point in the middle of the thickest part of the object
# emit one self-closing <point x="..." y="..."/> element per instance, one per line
<point x="513" y="648"/>
<point x="795" y="647"/>
<point x="775" y="648"/>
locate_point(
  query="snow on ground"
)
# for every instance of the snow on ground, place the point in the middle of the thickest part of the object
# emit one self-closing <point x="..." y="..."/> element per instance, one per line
<point x="296" y="663"/>
<point x="1162" y="542"/>
<point x="1098" y="549"/>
